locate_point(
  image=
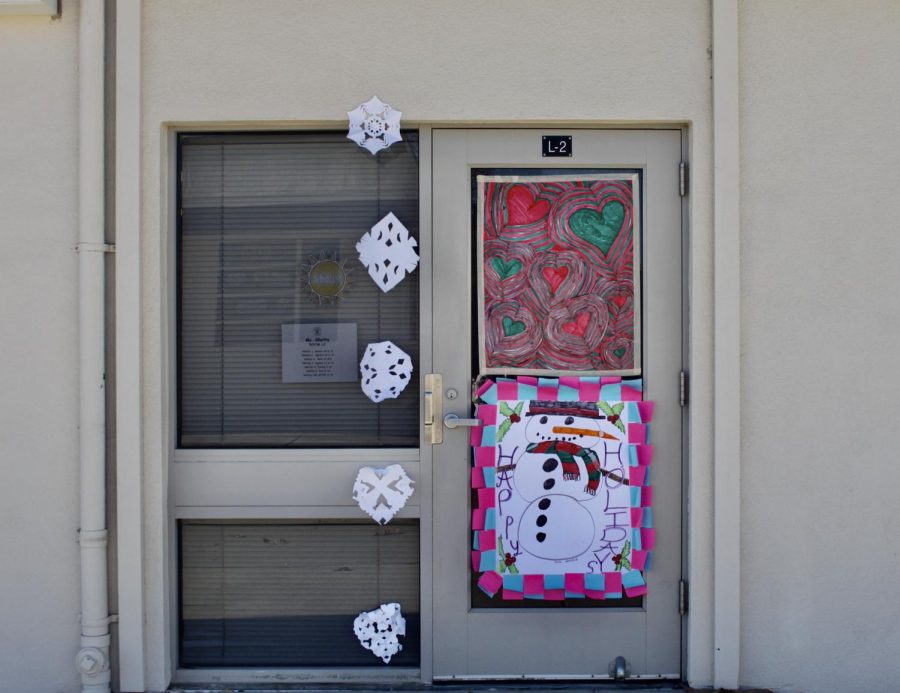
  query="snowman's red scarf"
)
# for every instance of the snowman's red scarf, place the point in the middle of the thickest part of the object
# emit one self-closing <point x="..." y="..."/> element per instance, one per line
<point x="567" y="452"/>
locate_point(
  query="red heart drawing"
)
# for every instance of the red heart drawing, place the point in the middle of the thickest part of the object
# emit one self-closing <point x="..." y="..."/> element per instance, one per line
<point x="619" y="300"/>
<point x="579" y="327"/>
<point x="522" y="208"/>
<point x="555" y="276"/>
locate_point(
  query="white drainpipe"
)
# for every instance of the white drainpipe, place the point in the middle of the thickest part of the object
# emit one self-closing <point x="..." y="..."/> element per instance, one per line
<point x="92" y="659"/>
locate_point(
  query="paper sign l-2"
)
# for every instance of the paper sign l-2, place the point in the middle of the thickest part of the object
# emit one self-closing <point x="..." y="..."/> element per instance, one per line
<point x="556" y="145"/>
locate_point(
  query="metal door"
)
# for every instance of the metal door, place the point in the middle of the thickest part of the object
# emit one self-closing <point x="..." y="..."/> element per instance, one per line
<point x="474" y="639"/>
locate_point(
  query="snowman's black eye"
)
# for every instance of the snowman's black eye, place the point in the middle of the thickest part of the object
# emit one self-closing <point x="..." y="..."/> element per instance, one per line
<point x="543" y="419"/>
<point x="570" y="420"/>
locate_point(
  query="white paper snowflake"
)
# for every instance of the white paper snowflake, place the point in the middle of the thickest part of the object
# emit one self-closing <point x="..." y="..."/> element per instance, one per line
<point x="381" y="492"/>
<point x="388" y="252"/>
<point x="374" y="125"/>
<point x="385" y="369"/>
<point x="378" y="629"/>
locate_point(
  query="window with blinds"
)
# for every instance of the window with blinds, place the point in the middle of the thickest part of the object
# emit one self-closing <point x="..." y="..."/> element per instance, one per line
<point x="257" y="212"/>
<point x="276" y="594"/>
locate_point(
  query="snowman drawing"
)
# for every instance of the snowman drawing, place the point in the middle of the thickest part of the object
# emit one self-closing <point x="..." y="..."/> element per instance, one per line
<point x="558" y="475"/>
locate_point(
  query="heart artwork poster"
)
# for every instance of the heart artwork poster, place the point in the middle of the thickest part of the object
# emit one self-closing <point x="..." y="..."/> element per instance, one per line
<point x="559" y="274"/>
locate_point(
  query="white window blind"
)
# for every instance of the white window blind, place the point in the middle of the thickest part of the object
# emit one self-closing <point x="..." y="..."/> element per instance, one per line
<point x="254" y="210"/>
<point x="276" y="594"/>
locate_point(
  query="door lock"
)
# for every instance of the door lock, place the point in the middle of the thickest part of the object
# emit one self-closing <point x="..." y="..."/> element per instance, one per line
<point x="453" y="421"/>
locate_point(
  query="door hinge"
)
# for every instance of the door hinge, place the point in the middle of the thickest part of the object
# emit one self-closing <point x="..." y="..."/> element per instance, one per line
<point x="683" y="178"/>
<point x="683" y="388"/>
<point x="682" y="597"/>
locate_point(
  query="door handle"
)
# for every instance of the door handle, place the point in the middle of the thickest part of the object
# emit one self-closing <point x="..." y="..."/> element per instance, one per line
<point x="432" y="408"/>
<point x="453" y="421"/>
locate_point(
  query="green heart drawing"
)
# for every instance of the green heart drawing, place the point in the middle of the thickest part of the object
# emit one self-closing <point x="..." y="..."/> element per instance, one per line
<point x="512" y="327"/>
<point x="599" y="229"/>
<point x="620" y="352"/>
<point x="505" y="270"/>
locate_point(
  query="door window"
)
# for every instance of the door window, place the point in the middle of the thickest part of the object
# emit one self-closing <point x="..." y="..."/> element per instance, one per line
<point x="268" y="270"/>
<point x="286" y="594"/>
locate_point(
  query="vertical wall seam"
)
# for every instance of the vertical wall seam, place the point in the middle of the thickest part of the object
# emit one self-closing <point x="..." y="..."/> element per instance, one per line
<point x="726" y="350"/>
<point x="129" y="501"/>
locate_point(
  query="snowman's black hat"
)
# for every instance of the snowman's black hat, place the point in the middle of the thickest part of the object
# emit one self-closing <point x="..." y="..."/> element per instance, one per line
<point x="586" y="410"/>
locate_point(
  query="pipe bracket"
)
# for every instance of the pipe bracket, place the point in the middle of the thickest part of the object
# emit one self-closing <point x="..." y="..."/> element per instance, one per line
<point x="88" y="247"/>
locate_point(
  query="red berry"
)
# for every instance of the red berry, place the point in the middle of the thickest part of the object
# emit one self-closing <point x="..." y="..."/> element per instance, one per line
<point x="515" y="418"/>
<point x="612" y="419"/>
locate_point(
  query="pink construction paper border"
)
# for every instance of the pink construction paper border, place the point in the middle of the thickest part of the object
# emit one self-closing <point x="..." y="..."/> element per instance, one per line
<point x="559" y="587"/>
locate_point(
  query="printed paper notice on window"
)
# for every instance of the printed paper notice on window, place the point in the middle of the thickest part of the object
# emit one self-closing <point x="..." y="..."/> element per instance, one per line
<point x="319" y="353"/>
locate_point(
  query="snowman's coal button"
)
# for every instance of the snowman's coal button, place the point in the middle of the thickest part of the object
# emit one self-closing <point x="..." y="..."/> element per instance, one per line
<point x="541" y="521"/>
<point x="550" y="483"/>
<point x="541" y="536"/>
<point x="550" y="465"/>
<point x="544" y="503"/>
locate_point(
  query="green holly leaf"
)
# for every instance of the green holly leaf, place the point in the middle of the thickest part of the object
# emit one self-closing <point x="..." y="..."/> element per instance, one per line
<point x="605" y="408"/>
<point x="505" y="410"/>
<point x="626" y="549"/>
<point x="624" y="564"/>
<point x="617" y="408"/>
<point x="620" y="425"/>
<point x="518" y="410"/>
<point x="513" y="569"/>
<point x="503" y="429"/>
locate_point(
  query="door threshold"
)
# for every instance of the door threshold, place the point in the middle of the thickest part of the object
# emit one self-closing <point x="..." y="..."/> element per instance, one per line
<point x="527" y="686"/>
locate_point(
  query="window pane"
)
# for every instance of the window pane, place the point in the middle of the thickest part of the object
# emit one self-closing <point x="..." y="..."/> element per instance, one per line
<point x="258" y="212"/>
<point x="287" y="594"/>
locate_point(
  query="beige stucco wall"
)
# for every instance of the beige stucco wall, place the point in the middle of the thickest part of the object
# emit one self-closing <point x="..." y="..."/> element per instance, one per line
<point x="819" y="255"/>
<point x="236" y="64"/>
<point x="39" y="583"/>
<point x="820" y="250"/>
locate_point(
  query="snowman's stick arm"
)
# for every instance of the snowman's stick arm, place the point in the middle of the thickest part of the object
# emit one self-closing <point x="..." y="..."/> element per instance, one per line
<point x="605" y="472"/>
<point x="613" y="476"/>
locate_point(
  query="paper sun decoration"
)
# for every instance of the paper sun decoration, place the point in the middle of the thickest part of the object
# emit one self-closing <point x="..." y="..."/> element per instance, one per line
<point x="325" y="277"/>
<point x="374" y="125"/>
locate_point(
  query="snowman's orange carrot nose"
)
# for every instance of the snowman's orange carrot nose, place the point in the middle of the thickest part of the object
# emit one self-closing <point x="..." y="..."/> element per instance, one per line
<point x="583" y="432"/>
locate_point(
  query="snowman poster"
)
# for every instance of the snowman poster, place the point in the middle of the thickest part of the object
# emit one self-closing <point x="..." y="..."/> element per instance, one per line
<point x="561" y="472"/>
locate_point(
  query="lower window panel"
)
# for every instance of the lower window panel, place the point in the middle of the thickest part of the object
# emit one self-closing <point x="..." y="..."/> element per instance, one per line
<point x="263" y="594"/>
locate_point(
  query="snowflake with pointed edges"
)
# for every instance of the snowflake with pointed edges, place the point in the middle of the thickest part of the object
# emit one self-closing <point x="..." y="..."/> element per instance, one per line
<point x="374" y="125"/>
